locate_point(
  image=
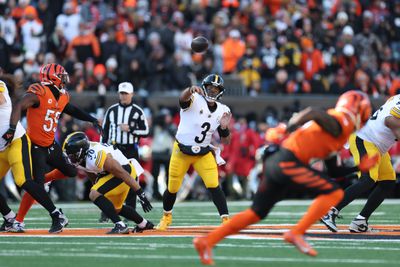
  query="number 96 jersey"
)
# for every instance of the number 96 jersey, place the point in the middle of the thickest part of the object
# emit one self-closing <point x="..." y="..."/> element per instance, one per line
<point x="198" y="123"/>
<point x="375" y="130"/>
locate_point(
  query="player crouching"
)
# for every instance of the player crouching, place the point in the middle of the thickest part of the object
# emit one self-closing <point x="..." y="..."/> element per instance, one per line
<point x="112" y="175"/>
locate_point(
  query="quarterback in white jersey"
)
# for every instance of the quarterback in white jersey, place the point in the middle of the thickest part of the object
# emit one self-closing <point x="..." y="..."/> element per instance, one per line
<point x="113" y="175"/>
<point x="378" y="135"/>
<point x="201" y="115"/>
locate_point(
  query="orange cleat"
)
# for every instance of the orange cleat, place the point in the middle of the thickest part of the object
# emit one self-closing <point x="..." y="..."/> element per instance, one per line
<point x="300" y="243"/>
<point x="204" y="250"/>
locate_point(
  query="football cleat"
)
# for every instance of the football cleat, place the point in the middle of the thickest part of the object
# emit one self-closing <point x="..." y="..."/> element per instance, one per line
<point x="59" y="221"/>
<point x="165" y="221"/>
<point x="204" y="250"/>
<point x="119" y="229"/>
<point x="225" y="219"/>
<point x="149" y="226"/>
<point x="17" y="227"/>
<point x="300" y="243"/>
<point x="329" y="219"/>
<point x="7" y="224"/>
<point x="359" y="226"/>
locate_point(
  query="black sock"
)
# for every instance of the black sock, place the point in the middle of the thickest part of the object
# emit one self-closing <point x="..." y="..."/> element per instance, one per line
<point x="107" y="207"/>
<point x="356" y="190"/>
<point x="168" y="200"/>
<point x="4" y="208"/>
<point x="380" y="192"/>
<point x="39" y="194"/>
<point x="131" y="199"/>
<point x="131" y="214"/>
<point x="219" y="200"/>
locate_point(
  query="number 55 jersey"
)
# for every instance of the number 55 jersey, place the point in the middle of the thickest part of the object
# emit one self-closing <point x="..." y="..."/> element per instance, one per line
<point x="375" y="130"/>
<point x="43" y="119"/>
<point x="198" y="123"/>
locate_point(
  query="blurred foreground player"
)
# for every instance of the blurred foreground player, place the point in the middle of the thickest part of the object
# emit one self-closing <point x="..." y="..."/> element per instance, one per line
<point x="320" y="135"/>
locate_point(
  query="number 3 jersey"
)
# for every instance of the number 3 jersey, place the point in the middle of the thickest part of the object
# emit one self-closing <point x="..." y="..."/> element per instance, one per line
<point x="198" y="123"/>
<point x="43" y="119"/>
<point x="375" y="130"/>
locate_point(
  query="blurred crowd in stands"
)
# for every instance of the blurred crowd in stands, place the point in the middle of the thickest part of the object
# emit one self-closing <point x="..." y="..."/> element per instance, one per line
<point x="274" y="46"/>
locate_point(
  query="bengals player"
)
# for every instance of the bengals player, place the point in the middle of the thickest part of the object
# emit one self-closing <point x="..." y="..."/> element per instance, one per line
<point x="316" y="135"/>
<point x="15" y="153"/>
<point x="45" y="102"/>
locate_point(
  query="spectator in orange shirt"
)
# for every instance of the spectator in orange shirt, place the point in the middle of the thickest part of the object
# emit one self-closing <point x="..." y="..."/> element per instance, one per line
<point x="311" y="59"/>
<point x="232" y="50"/>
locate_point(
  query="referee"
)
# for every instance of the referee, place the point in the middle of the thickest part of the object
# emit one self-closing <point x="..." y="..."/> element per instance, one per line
<point x="124" y="123"/>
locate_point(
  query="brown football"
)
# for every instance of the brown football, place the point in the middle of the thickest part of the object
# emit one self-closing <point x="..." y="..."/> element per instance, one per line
<point x="199" y="44"/>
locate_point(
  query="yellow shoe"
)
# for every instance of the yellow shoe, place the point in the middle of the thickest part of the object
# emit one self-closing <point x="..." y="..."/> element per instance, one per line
<point x="225" y="219"/>
<point x="165" y="221"/>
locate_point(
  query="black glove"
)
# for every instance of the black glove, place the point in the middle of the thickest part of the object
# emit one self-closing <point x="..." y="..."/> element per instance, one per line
<point x="98" y="127"/>
<point x="143" y="200"/>
<point x="9" y="135"/>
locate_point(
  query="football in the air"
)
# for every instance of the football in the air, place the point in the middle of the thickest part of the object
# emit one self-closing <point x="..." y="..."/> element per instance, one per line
<point x="199" y="44"/>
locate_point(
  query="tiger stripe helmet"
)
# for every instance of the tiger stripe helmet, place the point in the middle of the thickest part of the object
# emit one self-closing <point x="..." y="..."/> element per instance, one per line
<point x="357" y="105"/>
<point x="54" y="74"/>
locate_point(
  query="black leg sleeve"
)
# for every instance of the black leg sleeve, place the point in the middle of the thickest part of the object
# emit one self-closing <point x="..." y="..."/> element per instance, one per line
<point x="131" y="199"/>
<point x="131" y="214"/>
<point x="39" y="194"/>
<point x="380" y="192"/>
<point x="356" y="190"/>
<point x="59" y="161"/>
<point x="4" y="208"/>
<point x="107" y="207"/>
<point x="219" y="200"/>
<point x="168" y="200"/>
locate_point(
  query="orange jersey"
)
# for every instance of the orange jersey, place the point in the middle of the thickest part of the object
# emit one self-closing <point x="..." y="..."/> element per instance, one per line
<point x="312" y="142"/>
<point x="43" y="120"/>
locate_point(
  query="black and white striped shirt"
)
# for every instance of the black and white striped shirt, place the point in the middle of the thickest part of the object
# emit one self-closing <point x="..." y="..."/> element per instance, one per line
<point x="130" y="114"/>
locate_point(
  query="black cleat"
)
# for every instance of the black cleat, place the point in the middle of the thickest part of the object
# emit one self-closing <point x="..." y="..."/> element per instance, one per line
<point x="149" y="226"/>
<point x="119" y="229"/>
<point x="59" y="222"/>
<point x="7" y="224"/>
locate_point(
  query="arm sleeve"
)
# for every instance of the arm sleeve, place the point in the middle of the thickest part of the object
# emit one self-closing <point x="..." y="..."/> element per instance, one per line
<point x="78" y="113"/>
<point x="336" y="171"/>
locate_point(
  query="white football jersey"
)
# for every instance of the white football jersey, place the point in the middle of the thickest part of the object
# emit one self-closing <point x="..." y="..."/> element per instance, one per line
<point x="198" y="123"/>
<point x="96" y="156"/>
<point x="375" y="130"/>
<point x="5" y="113"/>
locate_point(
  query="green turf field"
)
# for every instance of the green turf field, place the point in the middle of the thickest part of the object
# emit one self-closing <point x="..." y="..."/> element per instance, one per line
<point x="131" y="250"/>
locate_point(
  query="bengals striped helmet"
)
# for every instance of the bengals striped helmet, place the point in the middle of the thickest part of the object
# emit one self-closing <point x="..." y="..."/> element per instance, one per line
<point x="53" y="74"/>
<point x="357" y="105"/>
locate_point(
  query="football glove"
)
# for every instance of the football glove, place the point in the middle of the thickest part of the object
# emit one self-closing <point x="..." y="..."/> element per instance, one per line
<point x="143" y="200"/>
<point x="9" y="135"/>
<point x="367" y="162"/>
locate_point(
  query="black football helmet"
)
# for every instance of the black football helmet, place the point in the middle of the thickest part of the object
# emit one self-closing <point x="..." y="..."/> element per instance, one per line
<point x="214" y="80"/>
<point x="75" y="146"/>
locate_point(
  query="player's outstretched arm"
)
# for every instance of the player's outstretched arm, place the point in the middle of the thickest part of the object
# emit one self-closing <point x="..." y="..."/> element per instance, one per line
<point x="326" y="121"/>
<point x="82" y="115"/>
<point x="113" y="167"/>
<point x="393" y="124"/>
